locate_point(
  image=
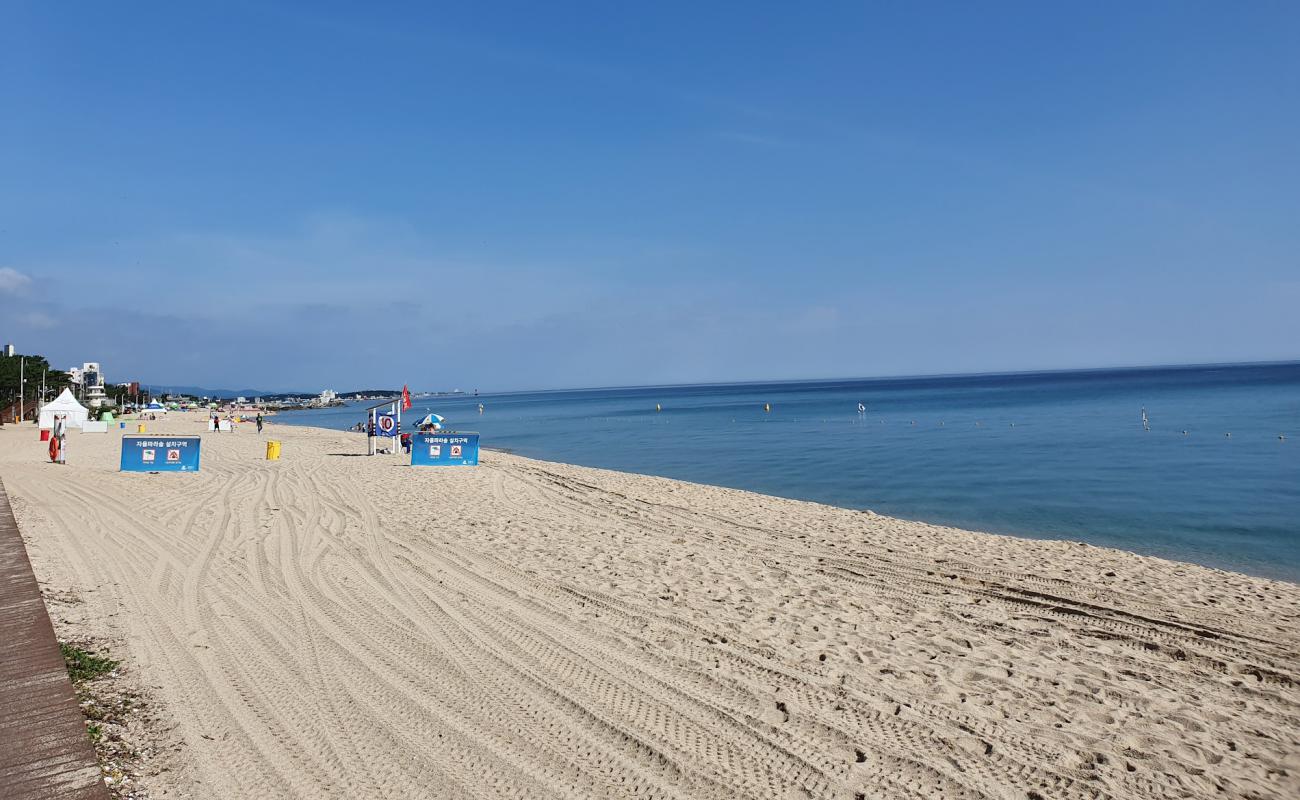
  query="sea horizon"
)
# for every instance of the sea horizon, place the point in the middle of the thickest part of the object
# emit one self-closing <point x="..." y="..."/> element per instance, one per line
<point x="168" y="387"/>
<point x="898" y="377"/>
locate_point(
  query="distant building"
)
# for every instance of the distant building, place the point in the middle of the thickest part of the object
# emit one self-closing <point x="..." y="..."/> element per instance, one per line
<point x="90" y="378"/>
<point x="9" y="351"/>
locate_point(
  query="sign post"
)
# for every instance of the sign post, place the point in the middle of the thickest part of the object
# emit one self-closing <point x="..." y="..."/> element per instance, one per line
<point x="444" y="449"/>
<point x="387" y="424"/>
<point x="160" y="454"/>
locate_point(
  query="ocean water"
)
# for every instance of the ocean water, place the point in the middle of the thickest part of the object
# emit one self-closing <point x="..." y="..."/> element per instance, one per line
<point x="1045" y="455"/>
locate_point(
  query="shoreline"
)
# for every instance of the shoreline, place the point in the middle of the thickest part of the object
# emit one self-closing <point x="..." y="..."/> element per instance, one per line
<point x="1287" y="574"/>
<point x="327" y="625"/>
<point x="1227" y="571"/>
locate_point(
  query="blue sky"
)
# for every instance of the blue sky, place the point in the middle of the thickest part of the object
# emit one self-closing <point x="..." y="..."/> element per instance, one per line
<point x="527" y="195"/>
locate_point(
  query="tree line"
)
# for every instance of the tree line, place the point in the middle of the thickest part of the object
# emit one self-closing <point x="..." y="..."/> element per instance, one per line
<point x="33" y="367"/>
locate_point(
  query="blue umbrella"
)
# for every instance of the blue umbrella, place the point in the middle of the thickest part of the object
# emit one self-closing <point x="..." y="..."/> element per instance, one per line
<point x="435" y="420"/>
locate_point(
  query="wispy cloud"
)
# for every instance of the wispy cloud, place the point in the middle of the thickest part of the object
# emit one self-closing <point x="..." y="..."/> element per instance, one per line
<point x="12" y="281"/>
<point x="37" y="320"/>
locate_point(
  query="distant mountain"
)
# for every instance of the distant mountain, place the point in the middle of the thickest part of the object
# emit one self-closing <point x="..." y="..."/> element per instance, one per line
<point x="266" y="394"/>
<point x="204" y="391"/>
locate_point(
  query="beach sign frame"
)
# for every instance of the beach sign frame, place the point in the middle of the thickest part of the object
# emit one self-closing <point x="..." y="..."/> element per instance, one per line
<point x="160" y="453"/>
<point x="383" y="425"/>
<point x="444" y="449"/>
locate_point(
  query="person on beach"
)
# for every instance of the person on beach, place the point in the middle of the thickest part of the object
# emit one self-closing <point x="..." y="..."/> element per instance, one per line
<point x="259" y="422"/>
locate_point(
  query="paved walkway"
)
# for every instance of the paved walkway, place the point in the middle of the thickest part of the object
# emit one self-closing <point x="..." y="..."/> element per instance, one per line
<point x="44" y="751"/>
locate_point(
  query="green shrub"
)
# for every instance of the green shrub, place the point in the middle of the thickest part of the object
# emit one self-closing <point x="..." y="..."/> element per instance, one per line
<point x="84" y="666"/>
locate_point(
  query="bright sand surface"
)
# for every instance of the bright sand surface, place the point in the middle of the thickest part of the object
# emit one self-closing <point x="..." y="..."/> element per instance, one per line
<point x="332" y="625"/>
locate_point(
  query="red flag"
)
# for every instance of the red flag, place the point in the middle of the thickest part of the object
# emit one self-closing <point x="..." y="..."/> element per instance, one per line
<point x="406" y="399"/>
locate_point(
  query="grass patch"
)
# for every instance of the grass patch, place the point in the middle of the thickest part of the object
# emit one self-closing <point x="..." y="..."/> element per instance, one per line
<point x="84" y="666"/>
<point x="96" y="731"/>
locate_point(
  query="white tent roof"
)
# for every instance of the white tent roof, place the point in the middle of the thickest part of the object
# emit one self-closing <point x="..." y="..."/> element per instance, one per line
<point x="64" y="402"/>
<point x="66" y="405"/>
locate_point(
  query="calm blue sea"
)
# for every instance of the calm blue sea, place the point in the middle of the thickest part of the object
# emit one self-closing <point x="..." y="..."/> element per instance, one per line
<point x="1048" y="455"/>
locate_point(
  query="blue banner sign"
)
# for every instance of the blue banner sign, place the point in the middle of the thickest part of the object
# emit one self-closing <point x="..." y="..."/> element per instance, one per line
<point x="386" y="425"/>
<point x="160" y="454"/>
<point x="444" y="448"/>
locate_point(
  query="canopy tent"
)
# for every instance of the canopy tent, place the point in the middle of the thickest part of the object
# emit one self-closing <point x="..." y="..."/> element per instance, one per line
<point x="155" y="406"/>
<point x="66" y="404"/>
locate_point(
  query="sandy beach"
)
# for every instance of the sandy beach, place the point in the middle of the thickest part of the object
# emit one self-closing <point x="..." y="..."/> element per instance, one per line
<point x="331" y="625"/>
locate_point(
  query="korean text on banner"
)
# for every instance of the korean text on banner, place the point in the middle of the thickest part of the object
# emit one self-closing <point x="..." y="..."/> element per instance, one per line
<point x="444" y="448"/>
<point x="160" y="453"/>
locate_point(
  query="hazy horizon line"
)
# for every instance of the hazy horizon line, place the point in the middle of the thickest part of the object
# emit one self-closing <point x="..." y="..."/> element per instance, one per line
<point x="821" y="379"/>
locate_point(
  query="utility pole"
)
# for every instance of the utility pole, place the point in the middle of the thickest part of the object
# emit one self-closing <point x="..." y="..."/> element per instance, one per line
<point x="22" y="389"/>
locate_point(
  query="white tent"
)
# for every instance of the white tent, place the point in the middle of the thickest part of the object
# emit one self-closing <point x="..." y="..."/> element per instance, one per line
<point x="63" y="404"/>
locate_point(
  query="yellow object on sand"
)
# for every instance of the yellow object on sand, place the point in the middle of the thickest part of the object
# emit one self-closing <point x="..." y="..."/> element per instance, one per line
<point x="139" y="428"/>
<point x="272" y="450"/>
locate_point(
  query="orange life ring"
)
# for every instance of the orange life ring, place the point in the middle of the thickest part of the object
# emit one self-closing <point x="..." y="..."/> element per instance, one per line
<point x="54" y="448"/>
